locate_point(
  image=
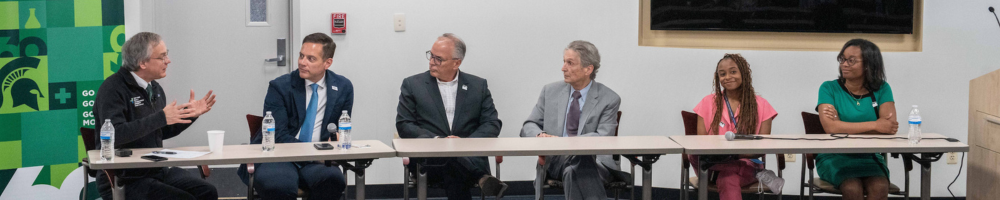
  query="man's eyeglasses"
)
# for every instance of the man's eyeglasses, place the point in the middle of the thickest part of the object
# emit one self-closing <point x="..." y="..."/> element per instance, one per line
<point x="163" y="58"/>
<point x="436" y="60"/>
<point x="850" y="62"/>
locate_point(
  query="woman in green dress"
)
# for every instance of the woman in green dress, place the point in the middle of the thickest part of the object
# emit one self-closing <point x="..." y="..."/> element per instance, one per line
<point x="858" y="102"/>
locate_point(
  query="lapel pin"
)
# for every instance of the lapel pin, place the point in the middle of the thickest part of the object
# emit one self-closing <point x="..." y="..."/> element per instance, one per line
<point x="465" y="87"/>
<point x="334" y="88"/>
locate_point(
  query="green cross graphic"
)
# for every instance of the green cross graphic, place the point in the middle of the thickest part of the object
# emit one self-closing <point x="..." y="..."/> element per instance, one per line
<point x="63" y="95"/>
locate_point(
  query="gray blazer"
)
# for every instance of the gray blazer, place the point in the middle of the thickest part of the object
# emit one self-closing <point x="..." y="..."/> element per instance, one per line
<point x="599" y="116"/>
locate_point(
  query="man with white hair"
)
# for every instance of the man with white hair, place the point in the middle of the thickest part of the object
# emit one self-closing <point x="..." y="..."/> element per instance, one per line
<point x="578" y="106"/>
<point x="446" y="103"/>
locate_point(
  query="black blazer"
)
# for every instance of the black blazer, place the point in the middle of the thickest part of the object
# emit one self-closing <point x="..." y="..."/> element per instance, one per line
<point x="421" y="114"/>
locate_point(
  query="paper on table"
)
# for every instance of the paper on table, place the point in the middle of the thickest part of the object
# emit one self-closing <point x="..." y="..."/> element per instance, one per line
<point x="179" y="153"/>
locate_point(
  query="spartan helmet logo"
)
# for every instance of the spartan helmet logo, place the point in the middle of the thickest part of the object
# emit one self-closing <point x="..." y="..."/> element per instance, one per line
<point x="23" y="91"/>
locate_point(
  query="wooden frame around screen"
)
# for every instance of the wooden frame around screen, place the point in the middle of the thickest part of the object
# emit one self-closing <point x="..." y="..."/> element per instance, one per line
<point x="788" y="41"/>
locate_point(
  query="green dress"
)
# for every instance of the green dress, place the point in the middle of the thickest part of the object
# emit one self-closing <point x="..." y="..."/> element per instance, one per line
<point x="835" y="168"/>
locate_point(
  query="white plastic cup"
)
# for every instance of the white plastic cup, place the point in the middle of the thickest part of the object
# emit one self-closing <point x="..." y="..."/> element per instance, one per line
<point x="215" y="140"/>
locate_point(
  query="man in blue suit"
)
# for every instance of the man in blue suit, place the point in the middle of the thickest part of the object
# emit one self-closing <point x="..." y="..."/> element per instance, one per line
<point x="302" y="103"/>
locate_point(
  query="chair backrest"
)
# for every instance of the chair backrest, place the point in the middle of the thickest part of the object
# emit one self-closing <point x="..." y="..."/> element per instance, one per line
<point x="619" y="121"/>
<point x="89" y="139"/>
<point x="812" y="123"/>
<point x="690" y="122"/>
<point x="254" y="123"/>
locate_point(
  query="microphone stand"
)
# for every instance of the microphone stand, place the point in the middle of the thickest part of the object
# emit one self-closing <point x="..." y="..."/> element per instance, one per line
<point x="995" y="15"/>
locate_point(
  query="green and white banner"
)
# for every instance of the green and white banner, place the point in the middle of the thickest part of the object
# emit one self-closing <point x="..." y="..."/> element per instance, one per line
<point x="54" y="55"/>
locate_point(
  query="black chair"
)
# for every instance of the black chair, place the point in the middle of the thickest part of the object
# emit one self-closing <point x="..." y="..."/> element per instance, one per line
<point x="817" y="185"/>
<point x="690" y="183"/>
<point x="618" y="184"/>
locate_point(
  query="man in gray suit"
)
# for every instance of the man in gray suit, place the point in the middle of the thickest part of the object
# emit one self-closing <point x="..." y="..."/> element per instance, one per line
<point x="446" y="103"/>
<point x="576" y="106"/>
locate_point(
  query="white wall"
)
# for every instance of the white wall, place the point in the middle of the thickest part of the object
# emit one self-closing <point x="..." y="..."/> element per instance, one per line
<point x="517" y="46"/>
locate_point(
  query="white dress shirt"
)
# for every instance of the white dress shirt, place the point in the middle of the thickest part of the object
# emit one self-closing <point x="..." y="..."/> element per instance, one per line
<point x="320" y="106"/>
<point x="449" y="91"/>
<point x="138" y="80"/>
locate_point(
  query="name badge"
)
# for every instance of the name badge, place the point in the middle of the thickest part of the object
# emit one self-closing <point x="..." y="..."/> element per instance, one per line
<point x="137" y="101"/>
<point x="874" y="104"/>
<point x="722" y="124"/>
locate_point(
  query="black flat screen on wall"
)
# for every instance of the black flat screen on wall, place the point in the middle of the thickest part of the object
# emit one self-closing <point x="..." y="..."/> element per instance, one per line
<point x="827" y="16"/>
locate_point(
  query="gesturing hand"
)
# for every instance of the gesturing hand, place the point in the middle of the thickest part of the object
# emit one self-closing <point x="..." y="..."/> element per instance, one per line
<point x="884" y="125"/>
<point x="176" y="114"/>
<point x="452" y="136"/>
<point x="200" y="106"/>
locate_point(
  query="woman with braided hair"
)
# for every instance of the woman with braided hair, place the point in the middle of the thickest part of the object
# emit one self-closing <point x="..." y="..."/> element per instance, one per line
<point x="734" y="107"/>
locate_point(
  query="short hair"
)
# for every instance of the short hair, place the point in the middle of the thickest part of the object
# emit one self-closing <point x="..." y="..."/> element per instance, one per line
<point x="588" y="55"/>
<point x="321" y="38"/>
<point x="459" y="51"/>
<point x="871" y="59"/>
<point x="138" y="49"/>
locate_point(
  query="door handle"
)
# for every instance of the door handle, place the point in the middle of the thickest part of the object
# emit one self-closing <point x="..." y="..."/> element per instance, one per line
<point x="281" y="61"/>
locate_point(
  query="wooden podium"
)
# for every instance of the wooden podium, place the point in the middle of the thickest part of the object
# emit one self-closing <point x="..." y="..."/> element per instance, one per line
<point x="984" y="137"/>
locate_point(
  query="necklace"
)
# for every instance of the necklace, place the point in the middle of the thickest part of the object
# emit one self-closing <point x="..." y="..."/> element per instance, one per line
<point x="857" y="99"/>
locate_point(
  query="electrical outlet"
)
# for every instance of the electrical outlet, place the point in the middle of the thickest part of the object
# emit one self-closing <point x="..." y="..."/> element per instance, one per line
<point x="399" y="22"/>
<point x="790" y="157"/>
<point x="952" y="158"/>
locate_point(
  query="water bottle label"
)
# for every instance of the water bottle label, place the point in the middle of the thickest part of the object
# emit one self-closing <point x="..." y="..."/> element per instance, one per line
<point x="915" y="122"/>
<point x="106" y="135"/>
<point x="270" y="127"/>
<point x="345" y="126"/>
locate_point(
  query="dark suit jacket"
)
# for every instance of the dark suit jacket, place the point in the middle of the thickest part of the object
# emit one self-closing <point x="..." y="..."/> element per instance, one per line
<point x="421" y="114"/>
<point x="286" y="99"/>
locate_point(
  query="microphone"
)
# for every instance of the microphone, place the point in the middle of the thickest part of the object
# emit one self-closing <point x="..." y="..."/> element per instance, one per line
<point x="730" y="136"/>
<point x="995" y="15"/>
<point x="332" y="128"/>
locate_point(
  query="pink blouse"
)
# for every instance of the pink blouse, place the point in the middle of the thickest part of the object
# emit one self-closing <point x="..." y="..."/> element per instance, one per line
<point x="706" y="110"/>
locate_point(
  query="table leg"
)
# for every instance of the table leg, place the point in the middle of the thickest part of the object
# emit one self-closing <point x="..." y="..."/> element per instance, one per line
<point x="86" y="181"/>
<point x="647" y="179"/>
<point x="359" y="185"/>
<point x="702" y="178"/>
<point x="647" y="172"/>
<point x="925" y="178"/>
<point x="118" y="191"/>
<point x="684" y="182"/>
<point x="421" y="183"/>
<point x="359" y="175"/>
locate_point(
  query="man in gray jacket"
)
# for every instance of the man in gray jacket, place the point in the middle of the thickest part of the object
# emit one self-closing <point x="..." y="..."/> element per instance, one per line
<point x="576" y="106"/>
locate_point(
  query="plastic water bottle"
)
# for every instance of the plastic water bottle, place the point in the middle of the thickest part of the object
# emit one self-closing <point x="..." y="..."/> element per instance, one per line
<point x="268" y="131"/>
<point x="107" y="141"/>
<point x="915" y="121"/>
<point x="344" y="131"/>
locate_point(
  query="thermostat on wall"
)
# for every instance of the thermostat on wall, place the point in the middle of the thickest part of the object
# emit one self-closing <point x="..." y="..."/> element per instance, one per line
<point x="338" y="23"/>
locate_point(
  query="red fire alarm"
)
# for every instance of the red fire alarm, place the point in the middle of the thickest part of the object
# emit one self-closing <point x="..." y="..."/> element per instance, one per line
<point x="338" y="23"/>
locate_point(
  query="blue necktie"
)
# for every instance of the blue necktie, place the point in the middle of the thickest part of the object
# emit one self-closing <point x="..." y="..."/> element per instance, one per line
<point x="305" y="133"/>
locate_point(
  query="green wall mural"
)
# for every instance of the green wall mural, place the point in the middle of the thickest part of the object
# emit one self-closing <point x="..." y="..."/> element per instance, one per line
<point x="53" y="57"/>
